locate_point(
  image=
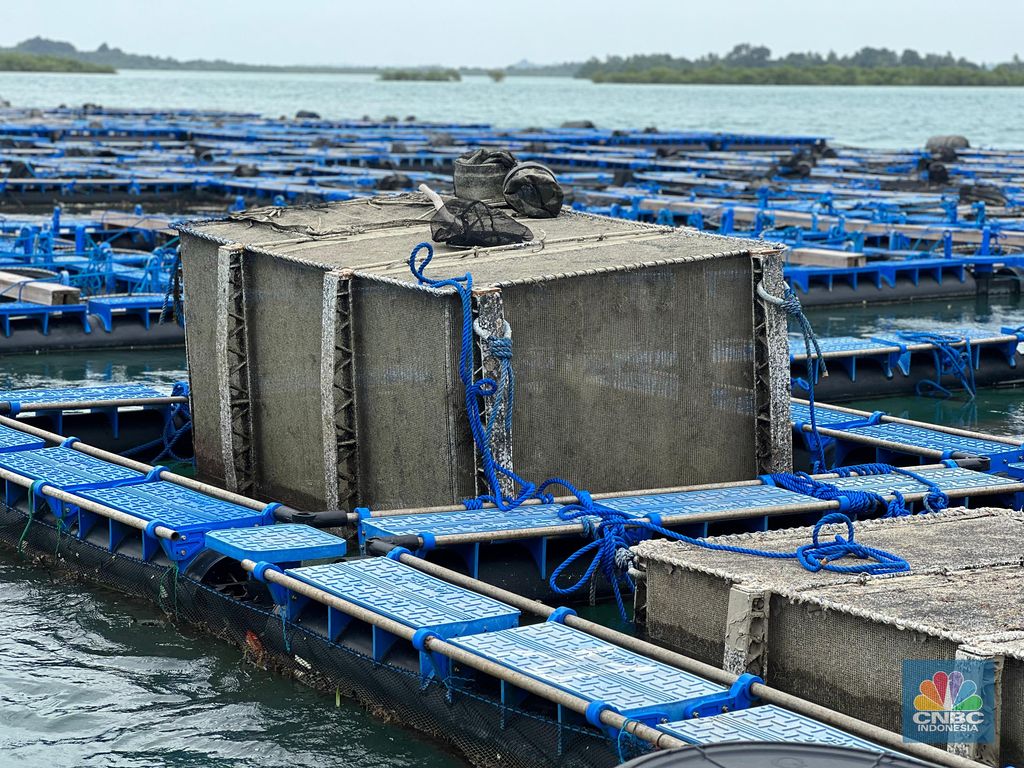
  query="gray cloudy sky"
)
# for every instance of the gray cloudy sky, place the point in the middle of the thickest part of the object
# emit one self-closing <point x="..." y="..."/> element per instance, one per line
<point x="490" y="32"/>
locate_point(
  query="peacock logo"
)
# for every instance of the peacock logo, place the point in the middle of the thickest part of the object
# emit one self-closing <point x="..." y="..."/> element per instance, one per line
<point x="949" y="702"/>
<point x="948" y="693"/>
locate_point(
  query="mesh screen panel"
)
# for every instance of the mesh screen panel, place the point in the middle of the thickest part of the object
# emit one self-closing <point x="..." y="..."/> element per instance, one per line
<point x="686" y="611"/>
<point x="1013" y="712"/>
<point x="636" y="379"/>
<point x="199" y="268"/>
<point x="843" y="661"/>
<point x="283" y="311"/>
<point x="469" y="722"/>
<point x="414" y="444"/>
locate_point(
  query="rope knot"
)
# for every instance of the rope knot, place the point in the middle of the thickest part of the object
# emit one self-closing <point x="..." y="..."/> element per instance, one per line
<point x="500" y="347"/>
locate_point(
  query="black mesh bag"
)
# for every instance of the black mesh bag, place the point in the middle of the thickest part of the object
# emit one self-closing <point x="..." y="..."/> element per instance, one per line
<point x="468" y="223"/>
<point x="532" y="190"/>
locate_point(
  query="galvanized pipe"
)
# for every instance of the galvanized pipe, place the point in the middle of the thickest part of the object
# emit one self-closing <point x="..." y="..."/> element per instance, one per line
<point x="652" y="736"/>
<point x="921" y="347"/>
<point x="934" y="427"/>
<point x="764" y="692"/>
<point x="515" y="534"/>
<point x="92" y="506"/>
<point x="139" y="466"/>
<point x="597" y="496"/>
<point x="69" y="405"/>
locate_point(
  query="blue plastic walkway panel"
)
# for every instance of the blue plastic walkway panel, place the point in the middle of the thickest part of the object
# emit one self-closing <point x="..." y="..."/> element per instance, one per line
<point x="43" y="312"/>
<point x="23" y="400"/>
<point x="603" y="674"/>
<point x="950" y="480"/>
<point x="925" y="443"/>
<point x="16" y="440"/>
<point x="406" y="595"/>
<point x="66" y="469"/>
<point x="141" y="305"/>
<point x="767" y="723"/>
<point x="281" y="545"/>
<point x="188" y="512"/>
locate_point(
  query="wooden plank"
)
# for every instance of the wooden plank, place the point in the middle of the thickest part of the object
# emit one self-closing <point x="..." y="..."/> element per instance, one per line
<point x="14" y="287"/>
<point x="826" y="257"/>
<point x="159" y="224"/>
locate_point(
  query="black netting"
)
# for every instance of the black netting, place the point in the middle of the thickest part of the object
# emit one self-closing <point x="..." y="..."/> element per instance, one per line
<point x="468" y="223"/>
<point x="499" y="157"/>
<point x="532" y="190"/>
<point x="462" y="712"/>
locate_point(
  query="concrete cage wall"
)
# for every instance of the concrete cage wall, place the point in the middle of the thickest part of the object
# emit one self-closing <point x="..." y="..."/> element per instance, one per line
<point x="645" y="362"/>
<point x="840" y="640"/>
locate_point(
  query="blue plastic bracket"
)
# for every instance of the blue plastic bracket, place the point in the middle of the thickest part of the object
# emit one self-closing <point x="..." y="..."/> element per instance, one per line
<point x="737" y="697"/>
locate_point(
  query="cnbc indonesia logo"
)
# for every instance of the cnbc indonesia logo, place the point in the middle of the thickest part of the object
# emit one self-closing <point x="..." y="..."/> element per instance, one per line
<point x="948" y="704"/>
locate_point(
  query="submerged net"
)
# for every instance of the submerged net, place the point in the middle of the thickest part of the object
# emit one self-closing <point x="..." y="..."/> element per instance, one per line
<point x="464" y="714"/>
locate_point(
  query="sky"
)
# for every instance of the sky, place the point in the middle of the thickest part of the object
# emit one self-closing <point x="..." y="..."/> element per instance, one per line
<point x="494" y="33"/>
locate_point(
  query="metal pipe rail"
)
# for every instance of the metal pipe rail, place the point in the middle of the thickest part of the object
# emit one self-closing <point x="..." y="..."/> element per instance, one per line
<point x="70" y="405"/>
<point x="1015" y="442"/>
<point x="91" y="506"/>
<point x="764" y="692"/>
<point x="612" y="719"/>
<point x="569" y="499"/>
<point x="920" y="347"/>
<point x="139" y="466"/>
<point x="516" y="534"/>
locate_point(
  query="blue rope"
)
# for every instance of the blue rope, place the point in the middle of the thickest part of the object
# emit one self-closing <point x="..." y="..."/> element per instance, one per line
<point x="613" y="532"/>
<point x="478" y="391"/>
<point x="170" y="435"/>
<point x="949" y="361"/>
<point x="172" y="296"/>
<point x="814" y="359"/>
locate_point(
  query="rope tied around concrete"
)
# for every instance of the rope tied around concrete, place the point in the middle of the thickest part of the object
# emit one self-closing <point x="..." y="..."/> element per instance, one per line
<point x="613" y="532"/>
<point x="814" y="359"/>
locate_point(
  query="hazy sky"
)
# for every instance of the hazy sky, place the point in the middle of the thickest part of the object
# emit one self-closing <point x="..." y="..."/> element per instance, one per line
<point x="490" y="32"/>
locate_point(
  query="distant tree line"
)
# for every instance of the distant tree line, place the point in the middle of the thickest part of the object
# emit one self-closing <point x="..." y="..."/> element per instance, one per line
<point x="26" y="62"/>
<point x="428" y="75"/>
<point x="753" y="64"/>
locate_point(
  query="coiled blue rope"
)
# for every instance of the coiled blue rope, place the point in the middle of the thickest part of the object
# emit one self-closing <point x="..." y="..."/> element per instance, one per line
<point x="950" y="360"/>
<point x="614" y="532"/>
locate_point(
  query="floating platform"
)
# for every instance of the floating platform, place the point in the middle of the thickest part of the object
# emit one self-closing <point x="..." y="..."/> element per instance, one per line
<point x="758" y="615"/>
<point x="909" y="362"/>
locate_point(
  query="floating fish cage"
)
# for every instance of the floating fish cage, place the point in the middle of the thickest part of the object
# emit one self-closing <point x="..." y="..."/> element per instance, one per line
<point x="840" y="640"/>
<point x="323" y="374"/>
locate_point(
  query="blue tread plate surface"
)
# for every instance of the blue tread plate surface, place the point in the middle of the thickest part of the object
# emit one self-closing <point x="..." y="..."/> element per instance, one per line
<point x="541" y="516"/>
<point x="177" y="507"/>
<point x="286" y="543"/>
<point x="16" y="440"/>
<point x="68" y="469"/>
<point x="767" y="723"/>
<point x="79" y="394"/>
<point x="922" y="437"/>
<point x="953" y="480"/>
<point x="801" y="414"/>
<point x="835" y="344"/>
<point x="592" y="669"/>
<point x="409" y="596"/>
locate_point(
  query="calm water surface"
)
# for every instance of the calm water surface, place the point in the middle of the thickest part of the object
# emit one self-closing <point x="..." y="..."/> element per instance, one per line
<point x="867" y="116"/>
<point x="91" y="678"/>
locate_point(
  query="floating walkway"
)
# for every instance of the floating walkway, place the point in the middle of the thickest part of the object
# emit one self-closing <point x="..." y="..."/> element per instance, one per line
<point x="862" y="224"/>
<point x="906" y="361"/>
<point x="454" y="656"/>
<point x="850" y="436"/>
